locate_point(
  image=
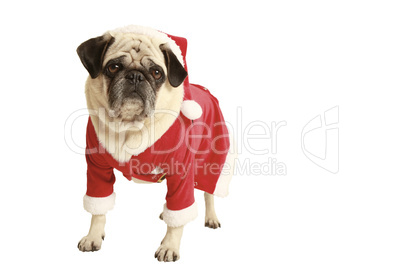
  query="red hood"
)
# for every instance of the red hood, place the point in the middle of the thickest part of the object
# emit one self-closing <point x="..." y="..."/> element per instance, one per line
<point x="182" y="43"/>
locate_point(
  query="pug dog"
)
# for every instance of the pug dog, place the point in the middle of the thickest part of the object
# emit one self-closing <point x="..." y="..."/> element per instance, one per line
<point x="147" y="121"/>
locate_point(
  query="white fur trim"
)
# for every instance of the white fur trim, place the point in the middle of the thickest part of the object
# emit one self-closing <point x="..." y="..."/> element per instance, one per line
<point x="124" y="139"/>
<point x="177" y="218"/>
<point x="138" y="181"/>
<point x="222" y="186"/>
<point x="99" y="205"/>
<point x="191" y="109"/>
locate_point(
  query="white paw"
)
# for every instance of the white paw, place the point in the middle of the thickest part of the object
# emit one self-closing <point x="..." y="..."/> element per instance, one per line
<point x="166" y="254"/>
<point x="212" y="222"/>
<point x="90" y="243"/>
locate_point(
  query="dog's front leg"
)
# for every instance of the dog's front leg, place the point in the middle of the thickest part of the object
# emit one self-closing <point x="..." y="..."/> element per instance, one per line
<point x="93" y="241"/>
<point x="170" y="245"/>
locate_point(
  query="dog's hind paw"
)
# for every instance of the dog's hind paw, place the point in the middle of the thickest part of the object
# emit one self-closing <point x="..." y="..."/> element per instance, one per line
<point x="212" y="223"/>
<point x="211" y="220"/>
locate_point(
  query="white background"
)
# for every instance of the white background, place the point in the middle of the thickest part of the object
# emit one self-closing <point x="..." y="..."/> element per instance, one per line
<point x="273" y="61"/>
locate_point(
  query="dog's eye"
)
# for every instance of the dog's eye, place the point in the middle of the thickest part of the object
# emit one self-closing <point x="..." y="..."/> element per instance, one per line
<point x="114" y="68"/>
<point x="156" y="74"/>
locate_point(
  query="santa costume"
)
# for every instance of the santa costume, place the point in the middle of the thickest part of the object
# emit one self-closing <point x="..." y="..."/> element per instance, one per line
<point x="195" y="152"/>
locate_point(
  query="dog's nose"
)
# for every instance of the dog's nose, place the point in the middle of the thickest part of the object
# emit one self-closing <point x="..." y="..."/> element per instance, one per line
<point x="135" y="76"/>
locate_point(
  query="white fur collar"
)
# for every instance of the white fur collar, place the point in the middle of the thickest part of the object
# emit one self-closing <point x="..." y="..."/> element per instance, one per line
<point x="123" y="140"/>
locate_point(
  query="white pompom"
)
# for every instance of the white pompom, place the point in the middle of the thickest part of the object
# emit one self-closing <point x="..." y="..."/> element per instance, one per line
<point x="191" y="109"/>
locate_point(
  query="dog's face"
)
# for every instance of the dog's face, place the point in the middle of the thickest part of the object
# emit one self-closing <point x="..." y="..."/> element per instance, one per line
<point x="132" y="70"/>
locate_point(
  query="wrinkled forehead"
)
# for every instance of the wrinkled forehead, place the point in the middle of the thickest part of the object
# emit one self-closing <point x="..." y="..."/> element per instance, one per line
<point x="134" y="49"/>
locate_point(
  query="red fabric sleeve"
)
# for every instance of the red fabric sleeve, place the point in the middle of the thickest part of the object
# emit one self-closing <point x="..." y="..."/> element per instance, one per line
<point x="100" y="176"/>
<point x="180" y="194"/>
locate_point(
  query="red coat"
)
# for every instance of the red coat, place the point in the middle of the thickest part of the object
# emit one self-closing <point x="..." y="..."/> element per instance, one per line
<point x="191" y="154"/>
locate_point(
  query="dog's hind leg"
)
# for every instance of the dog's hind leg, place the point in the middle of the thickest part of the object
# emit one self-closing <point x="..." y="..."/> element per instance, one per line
<point x="211" y="220"/>
<point x="93" y="241"/>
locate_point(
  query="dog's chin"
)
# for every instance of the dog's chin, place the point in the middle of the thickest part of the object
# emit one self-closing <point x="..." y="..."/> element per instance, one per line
<point x="131" y="110"/>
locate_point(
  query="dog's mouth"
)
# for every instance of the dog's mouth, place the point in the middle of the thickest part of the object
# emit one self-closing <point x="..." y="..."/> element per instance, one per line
<point x="131" y="109"/>
<point x="130" y="104"/>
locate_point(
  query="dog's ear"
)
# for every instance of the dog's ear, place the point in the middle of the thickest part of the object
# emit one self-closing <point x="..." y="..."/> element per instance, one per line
<point x="176" y="72"/>
<point x="92" y="52"/>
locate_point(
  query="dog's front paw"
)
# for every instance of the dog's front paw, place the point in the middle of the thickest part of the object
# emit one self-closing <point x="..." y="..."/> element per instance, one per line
<point x="90" y="243"/>
<point x="166" y="254"/>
